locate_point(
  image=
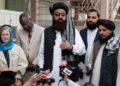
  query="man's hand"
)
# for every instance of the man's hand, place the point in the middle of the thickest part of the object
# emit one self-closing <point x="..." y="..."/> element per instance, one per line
<point x="66" y="78"/>
<point x="34" y="78"/>
<point x="66" y="45"/>
<point x="44" y="74"/>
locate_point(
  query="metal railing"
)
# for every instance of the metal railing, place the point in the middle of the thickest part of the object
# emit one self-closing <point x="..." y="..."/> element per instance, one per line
<point x="88" y="4"/>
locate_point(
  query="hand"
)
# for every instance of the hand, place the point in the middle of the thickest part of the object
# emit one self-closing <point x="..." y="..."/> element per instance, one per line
<point x="89" y="71"/>
<point x="66" y="45"/>
<point x="44" y="74"/>
<point x="82" y="67"/>
<point x="66" y="78"/>
<point x="35" y="77"/>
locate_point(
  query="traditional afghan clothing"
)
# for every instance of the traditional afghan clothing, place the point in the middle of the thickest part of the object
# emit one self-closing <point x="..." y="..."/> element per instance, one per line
<point x="106" y="67"/>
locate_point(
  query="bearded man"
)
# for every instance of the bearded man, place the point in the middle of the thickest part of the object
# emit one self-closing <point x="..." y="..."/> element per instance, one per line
<point x="60" y="42"/>
<point x="89" y="36"/>
<point x="106" y="55"/>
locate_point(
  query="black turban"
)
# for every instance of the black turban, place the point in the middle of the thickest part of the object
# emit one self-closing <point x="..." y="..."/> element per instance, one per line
<point x="58" y="5"/>
<point x="106" y="23"/>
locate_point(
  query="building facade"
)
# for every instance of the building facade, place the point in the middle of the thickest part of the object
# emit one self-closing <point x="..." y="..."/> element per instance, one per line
<point x="39" y="9"/>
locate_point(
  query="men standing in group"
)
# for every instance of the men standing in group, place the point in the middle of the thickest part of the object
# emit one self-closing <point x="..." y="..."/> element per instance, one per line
<point x="60" y="45"/>
<point x="89" y="36"/>
<point x="29" y="37"/>
<point x="106" y="55"/>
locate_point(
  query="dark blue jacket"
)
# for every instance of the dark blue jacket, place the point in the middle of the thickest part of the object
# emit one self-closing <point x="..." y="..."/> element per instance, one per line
<point x="83" y="34"/>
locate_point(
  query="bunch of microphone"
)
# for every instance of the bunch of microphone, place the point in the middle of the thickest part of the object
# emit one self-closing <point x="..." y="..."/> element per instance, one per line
<point x="48" y="80"/>
<point x="65" y="69"/>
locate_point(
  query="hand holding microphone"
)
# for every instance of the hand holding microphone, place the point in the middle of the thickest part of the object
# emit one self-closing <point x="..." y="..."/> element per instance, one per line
<point x="64" y="70"/>
<point x="47" y="77"/>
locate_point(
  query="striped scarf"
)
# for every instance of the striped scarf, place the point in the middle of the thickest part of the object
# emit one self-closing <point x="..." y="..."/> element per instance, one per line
<point x="113" y="44"/>
<point x="69" y="35"/>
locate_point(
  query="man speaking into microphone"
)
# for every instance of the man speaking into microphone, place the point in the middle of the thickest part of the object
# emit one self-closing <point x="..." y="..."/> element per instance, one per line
<point x="61" y="41"/>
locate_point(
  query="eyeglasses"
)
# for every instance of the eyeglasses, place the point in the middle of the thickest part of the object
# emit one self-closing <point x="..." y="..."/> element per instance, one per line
<point x="60" y="14"/>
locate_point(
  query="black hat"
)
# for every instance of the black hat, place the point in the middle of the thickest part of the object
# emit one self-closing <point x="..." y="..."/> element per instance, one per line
<point x="106" y="23"/>
<point x="57" y="5"/>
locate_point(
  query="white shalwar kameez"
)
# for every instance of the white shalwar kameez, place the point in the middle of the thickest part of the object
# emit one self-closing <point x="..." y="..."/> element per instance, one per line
<point x="78" y="48"/>
<point x="88" y="56"/>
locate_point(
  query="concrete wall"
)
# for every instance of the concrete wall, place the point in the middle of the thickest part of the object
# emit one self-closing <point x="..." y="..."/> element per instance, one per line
<point x="9" y="17"/>
<point x="2" y="4"/>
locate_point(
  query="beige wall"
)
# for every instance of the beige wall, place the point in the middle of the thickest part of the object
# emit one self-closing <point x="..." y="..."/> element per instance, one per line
<point x="107" y="9"/>
<point x="2" y="4"/>
<point x="104" y="9"/>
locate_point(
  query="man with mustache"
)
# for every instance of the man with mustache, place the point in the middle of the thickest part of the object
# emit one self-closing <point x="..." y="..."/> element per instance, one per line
<point x="106" y="55"/>
<point x="60" y="43"/>
<point x="89" y="36"/>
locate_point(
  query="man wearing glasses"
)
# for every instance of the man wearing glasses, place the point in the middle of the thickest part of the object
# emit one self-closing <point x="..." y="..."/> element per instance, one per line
<point x="60" y="46"/>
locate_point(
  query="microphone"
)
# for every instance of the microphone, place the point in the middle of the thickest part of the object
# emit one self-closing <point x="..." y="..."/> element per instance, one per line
<point x="37" y="69"/>
<point x="64" y="69"/>
<point x="67" y="71"/>
<point x="48" y="81"/>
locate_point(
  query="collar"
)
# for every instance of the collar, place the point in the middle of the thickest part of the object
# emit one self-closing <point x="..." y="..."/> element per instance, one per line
<point x="33" y="27"/>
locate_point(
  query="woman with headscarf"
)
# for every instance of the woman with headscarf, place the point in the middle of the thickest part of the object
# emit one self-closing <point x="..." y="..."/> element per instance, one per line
<point x="12" y="57"/>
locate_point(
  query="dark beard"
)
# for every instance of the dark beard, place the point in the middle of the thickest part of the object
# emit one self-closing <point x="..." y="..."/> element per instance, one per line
<point x="59" y="26"/>
<point x="102" y="41"/>
<point x="28" y="30"/>
<point x="91" y="26"/>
